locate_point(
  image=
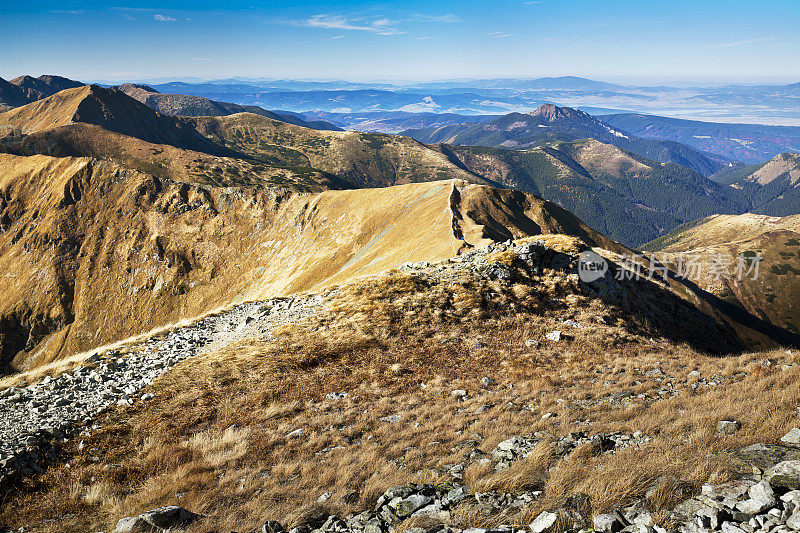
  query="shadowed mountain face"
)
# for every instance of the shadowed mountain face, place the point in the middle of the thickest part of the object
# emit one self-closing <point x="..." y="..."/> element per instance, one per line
<point x="774" y="293"/>
<point x="772" y="187"/>
<point x="11" y="95"/>
<point x="43" y="86"/>
<point x="550" y="124"/>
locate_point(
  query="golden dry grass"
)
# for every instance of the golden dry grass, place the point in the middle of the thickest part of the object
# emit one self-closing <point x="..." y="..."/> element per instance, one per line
<point x="215" y="438"/>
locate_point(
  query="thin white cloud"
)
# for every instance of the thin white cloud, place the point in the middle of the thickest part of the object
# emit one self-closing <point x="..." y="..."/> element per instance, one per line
<point x="501" y="35"/>
<point x="425" y="37"/>
<point x="743" y="43"/>
<point x="336" y="37"/>
<point x="163" y="18"/>
<point x="444" y="19"/>
<point x="203" y="59"/>
<point x="67" y="11"/>
<point x="381" y="26"/>
<point x="532" y="2"/>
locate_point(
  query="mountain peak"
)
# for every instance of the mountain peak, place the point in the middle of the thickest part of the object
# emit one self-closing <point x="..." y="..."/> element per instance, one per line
<point x="44" y="86"/>
<point x="553" y="112"/>
<point x="112" y="110"/>
<point x="127" y="88"/>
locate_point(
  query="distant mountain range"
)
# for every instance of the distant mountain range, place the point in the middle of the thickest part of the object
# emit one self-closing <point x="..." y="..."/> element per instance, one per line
<point x="393" y="108"/>
<point x="394" y="121"/>
<point x="750" y="143"/>
<point x="550" y="124"/>
<point x="779" y="104"/>
<point x="197" y="106"/>
<point x="27" y="89"/>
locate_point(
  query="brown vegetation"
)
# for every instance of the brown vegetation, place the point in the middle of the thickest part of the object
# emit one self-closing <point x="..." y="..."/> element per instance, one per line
<point x="215" y="438"/>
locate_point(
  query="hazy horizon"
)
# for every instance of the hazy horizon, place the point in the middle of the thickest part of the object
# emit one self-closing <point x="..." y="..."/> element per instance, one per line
<point x="644" y="43"/>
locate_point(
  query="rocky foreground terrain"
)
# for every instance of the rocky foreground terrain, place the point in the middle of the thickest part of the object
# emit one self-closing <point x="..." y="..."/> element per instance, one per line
<point x="769" y="503"/>
<point x="55" y="408"/>
<point x="516" y="441"/>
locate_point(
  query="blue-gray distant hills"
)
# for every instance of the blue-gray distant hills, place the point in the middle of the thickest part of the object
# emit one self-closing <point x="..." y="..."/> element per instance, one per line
<point x="549" y="124"/>
<point x="750" y="143"/>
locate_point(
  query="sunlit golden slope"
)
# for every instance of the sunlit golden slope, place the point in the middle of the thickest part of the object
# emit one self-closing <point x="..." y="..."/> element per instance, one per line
<point x="774" y="294"/>
<point x="92" y="252"/>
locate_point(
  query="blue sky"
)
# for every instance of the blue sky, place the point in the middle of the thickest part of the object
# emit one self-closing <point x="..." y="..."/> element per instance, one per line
<point x="613" y="40"/>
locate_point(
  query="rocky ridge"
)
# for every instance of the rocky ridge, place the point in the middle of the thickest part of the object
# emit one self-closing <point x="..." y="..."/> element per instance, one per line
<point x="59" y="407"/>
<point x="96" y="386"/>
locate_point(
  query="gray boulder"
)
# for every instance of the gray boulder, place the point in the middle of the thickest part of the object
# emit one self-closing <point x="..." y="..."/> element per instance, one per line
<point x="407" y="506"/>
<point x="270" y="526"/>
<point x="729" y="527"/>
<point x="784" y="475"/>
<point x="544" y="522"/>
<point x="133" y="524"/>
<point x="761" y="499"/>
<point x="728" y="427"/>
<point x="608" y="523"/>
<point x="792" y="438"/>
<point x="793" y="522"/>
<point x="554" y="336"/>
<point x="156" y="520"/>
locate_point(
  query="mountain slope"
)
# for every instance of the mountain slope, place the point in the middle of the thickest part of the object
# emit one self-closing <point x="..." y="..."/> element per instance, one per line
<point x="362" y="159"/>
<point x="95" y="252"/>
<point x="773" y="188"/>
<point x="132" y="134"/>
<point x="630" y="198"/>
<point x="550" y="123"/>
<point x="775" y="293"/>
<point x="11" y="95"/>
<point x="196" y="106"/>
<point x="234" y="149"/>
<point x="751" y="143"/>
<point x="109" y="109"/>
<point x="44" y="86"/>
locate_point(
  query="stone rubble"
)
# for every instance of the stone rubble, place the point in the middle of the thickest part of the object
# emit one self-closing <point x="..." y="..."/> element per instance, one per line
<point x="37" y="415"/>
<point x="516" y="448"/>
<point x="54" y="408"/>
